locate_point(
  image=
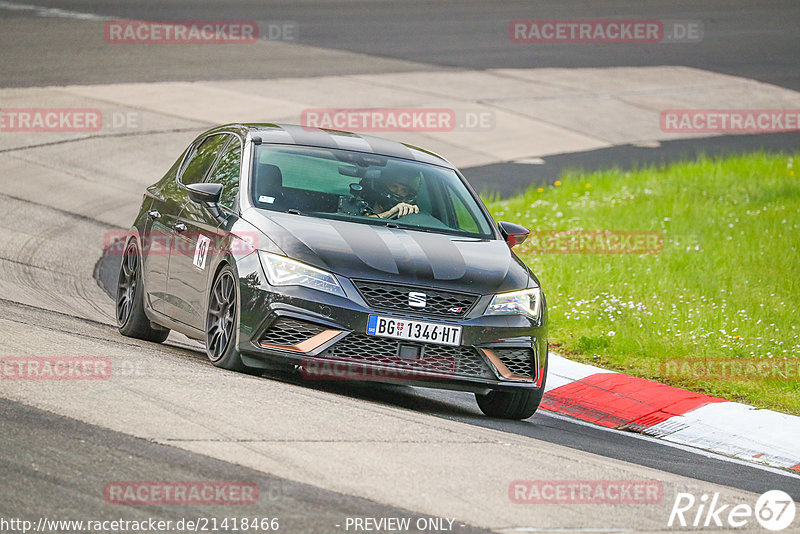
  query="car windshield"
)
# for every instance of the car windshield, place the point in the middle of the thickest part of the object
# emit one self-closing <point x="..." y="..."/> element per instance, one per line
<point x="366" y="188"/>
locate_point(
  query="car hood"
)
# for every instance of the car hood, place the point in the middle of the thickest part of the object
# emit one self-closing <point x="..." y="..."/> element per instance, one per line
<point x="358" y="250"/>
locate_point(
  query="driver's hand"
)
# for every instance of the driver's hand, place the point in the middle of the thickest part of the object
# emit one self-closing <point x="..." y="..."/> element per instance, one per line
<point x="401" y="210"/>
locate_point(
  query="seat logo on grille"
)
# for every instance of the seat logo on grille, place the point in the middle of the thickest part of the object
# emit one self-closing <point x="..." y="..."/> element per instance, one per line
<point x="417" y="299"/>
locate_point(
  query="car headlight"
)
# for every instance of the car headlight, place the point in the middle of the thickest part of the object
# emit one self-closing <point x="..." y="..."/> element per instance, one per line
<point x="283" y="271"/>
<point x="526" y="302"/>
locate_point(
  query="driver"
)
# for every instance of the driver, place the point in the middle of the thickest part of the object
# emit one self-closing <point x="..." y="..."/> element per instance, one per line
<point x="393" y="194"/>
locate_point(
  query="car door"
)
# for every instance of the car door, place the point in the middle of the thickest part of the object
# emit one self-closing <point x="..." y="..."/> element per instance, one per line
<point x="184" y="249"/>
<point x="204" y="238"/>
<point x="156" y="249"/>
<point x="159" y="233"/>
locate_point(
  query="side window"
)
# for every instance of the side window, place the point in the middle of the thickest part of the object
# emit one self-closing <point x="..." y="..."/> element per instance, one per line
<point x="227" y="173"/>
<point x="464" y="219"/>
<point x="467" y="216"/>
<point x="202" y="158"/>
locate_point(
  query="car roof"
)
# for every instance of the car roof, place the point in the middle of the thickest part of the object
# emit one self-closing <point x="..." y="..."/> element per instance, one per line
<point x="291" y="134"/>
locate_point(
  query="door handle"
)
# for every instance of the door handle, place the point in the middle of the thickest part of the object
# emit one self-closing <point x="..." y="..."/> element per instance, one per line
<point x="180" y="227"/>
<point x="154" y="214"/>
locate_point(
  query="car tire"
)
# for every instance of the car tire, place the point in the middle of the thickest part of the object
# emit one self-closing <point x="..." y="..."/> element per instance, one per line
<point x="519" y="404"/>
<point x="131" y="319"/>
<point x="222" y="323"/>
<point x="510" y="404"/>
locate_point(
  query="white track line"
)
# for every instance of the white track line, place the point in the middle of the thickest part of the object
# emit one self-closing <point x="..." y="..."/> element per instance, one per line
<point x="41" y="11"/>
<point x="701" y="452"/>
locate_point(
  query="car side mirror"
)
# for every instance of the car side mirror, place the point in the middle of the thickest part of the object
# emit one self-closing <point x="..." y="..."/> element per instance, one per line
<point x="205" y="192"/>
<point x="514" y="234"/>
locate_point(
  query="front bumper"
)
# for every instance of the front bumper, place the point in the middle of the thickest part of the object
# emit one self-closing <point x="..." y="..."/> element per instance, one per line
<point x="325" y="337"/>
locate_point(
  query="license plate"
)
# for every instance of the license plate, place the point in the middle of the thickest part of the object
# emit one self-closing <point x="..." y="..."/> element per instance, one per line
<point x="441" y="334"/>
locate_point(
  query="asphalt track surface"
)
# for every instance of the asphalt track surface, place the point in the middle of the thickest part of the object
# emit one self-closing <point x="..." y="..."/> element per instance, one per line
<point x="757" y="39"/>
<point x="545" y="426"/>
<point x="58" y="464"/>
<point x="517" y="177"/>
<point x="53" y="465"/>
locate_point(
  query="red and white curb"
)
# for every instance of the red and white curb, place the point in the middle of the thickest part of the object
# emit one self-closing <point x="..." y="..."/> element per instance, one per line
<point x="616" y="400"/>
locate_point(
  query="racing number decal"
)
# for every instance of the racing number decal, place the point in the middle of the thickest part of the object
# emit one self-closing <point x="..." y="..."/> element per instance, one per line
<point x="201" y="252"/>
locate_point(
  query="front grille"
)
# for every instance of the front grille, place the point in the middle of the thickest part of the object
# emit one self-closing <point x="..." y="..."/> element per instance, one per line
<point x="518" y="360"/>
<point x="442" y="359"/>
<point x="287" y="332"/>
<point x="390" y="297"/>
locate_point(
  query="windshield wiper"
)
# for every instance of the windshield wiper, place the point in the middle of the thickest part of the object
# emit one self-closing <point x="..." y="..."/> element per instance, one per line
<point x="400" y="225"/>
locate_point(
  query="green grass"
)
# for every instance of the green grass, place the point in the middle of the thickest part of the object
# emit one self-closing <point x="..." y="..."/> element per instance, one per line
<point x="724" y="288"/>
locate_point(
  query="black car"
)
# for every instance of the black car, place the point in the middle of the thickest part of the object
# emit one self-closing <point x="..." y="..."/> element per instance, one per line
<point x="338" y="255"/>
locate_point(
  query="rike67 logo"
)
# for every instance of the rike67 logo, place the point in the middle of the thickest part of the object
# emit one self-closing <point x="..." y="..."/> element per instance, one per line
<point x="774" y="510"/>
